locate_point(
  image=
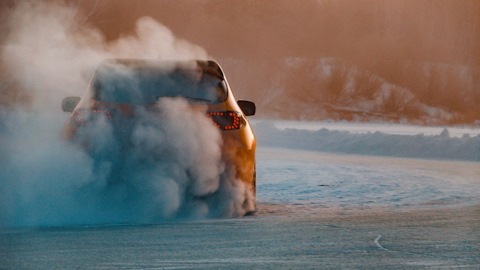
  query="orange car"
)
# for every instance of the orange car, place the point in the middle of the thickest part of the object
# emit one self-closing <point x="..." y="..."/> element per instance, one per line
<point x="201" y="83"/>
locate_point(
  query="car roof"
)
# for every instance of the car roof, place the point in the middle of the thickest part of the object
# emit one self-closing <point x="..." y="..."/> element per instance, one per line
<point x="208" y="66"/>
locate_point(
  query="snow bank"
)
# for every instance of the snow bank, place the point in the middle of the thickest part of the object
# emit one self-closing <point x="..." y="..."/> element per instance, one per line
<point x="384" y="127"/>
<point x="441" y="146"/>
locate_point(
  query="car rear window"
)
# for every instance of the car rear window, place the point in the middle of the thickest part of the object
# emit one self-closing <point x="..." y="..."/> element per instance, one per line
<point x="146" y="82"/>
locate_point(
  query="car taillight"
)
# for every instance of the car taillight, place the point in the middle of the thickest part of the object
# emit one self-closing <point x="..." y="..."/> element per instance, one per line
<point x="85" y="117"/>
<point x="226" y="120"/>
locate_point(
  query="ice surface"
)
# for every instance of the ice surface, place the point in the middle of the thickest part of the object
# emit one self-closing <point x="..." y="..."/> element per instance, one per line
<point x="315" y="210"/>
<point x="295" y="174"/>
<point x="303" y="166"/>
<point x="314" y="182"/>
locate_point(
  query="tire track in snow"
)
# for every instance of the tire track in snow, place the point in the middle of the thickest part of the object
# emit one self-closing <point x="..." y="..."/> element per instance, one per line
<point x="378" y="243"/>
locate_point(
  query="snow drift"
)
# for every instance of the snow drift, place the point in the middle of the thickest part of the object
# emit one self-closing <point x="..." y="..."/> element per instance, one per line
<point x="440" y="146"/>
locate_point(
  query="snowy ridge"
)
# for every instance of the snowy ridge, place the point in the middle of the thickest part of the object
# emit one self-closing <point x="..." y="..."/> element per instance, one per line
<point x="425" y="93"/>
<point x="375" y="143"/>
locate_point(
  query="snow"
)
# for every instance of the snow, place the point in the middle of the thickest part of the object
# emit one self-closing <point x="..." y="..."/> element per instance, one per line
<point x="447" y="143"/>
<point x="315" y="210"/>
<point x="312" y="182"/>
<point x="320" y="167"/>
<point x="363" y="128"/>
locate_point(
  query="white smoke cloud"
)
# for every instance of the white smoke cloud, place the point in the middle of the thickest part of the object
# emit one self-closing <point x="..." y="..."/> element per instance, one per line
<point x="51" y="56"/>
<point x="172" y="168"/>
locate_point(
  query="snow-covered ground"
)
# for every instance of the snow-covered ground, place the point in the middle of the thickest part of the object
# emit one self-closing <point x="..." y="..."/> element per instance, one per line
<point x="386" y="128"/>
<point x="311" y="182"/>
<point x="315" y="210"/>
<point x="446" y="143"/>
<point x="301" y="168"/>
<point x="317" y="167"/>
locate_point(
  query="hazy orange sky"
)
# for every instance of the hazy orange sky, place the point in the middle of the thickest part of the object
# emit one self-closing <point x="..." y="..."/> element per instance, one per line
<point x="428" y="47"/>
<point x="445" y="31"/>
<point x="362" y="31"/>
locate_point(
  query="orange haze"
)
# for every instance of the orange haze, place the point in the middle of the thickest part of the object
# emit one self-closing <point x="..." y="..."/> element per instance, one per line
<point x="427" y="51"/>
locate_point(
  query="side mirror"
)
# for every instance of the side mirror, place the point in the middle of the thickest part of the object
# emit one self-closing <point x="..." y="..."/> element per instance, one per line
<point x="247" y="107"/>
<point x="69" y="103"/>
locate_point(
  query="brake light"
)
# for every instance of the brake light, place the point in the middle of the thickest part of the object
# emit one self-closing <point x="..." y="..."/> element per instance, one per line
<point x="226" y="120"/>
<point x="85" y="117"/>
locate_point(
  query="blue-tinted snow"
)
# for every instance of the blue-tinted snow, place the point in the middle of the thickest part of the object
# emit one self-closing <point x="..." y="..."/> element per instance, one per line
<point x="372" y="139"/>
<point x="320" y="167"/>
<point x="312" y="182"/>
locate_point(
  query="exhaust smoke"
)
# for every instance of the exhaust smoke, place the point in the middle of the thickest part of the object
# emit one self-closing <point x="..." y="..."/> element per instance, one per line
<point x="163" y="165"/>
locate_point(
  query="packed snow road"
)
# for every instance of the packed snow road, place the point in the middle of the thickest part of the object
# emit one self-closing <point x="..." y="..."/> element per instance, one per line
<point x="315" y="210"/>
<point x="312" y="182"/>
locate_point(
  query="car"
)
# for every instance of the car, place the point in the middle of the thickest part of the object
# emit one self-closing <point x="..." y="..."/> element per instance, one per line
<point x="201" y="83"/>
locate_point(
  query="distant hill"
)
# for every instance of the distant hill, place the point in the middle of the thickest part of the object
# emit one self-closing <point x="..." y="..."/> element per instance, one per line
<point x="332" y="88"/>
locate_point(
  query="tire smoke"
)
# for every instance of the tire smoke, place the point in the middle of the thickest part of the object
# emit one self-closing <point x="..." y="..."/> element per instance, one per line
<point x="163" y="165"/>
